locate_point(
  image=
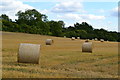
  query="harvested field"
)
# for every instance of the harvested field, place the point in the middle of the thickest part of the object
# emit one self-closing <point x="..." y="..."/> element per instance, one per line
<point x="63" y="59"/>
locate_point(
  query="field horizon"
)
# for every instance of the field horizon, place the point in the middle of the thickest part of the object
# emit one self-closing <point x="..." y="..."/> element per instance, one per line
<point x="63" y="59"/>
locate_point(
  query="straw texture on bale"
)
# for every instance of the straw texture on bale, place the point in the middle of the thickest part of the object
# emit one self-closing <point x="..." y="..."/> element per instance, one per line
<point x="78" y="37"/>
<point x="64" y="36"/>
<point x="73" y="38"/>
<point x="49" y="42"/>
<point x="102" y="40"/>
<point x="29" y="53"/>
<point x="87" y="40"/>
<point x="87" y="47"/>
<point x="96" y="39"/>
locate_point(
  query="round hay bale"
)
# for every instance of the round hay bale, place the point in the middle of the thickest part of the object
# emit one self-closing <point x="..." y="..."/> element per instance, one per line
<point x="73" y="38"/>
<point x="29" y="53"/>
<point x="78" y="37"/>
<point x="64" y="36"/>
<point x="87" y="40"/>
<point x="101" y="40"/>
<point x="96" y="39"/>
<point x="87" y="47"/>
<point x="49" y="42"/>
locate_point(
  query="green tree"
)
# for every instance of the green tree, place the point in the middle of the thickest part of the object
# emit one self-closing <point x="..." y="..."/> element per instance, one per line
<point x="81" y="33"/>
<point x="71" y="34"/>
<point x="29" y="17"/>
<point x="32" y="21"/>
<point x="43" y="27"/>
<point x="56" y="28"/>
<point x="0" y="25"/>
<point x="36" y="22"/>
<point x="5" y="17"/>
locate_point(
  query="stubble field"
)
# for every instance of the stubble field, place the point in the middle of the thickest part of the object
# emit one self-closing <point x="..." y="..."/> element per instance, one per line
<point x="63" y="59"/>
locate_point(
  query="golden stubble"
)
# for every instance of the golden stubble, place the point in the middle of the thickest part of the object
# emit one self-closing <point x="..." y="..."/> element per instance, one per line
<point x="62" y="59"/>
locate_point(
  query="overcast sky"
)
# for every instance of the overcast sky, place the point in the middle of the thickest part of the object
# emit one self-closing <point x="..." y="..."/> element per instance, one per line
<point x="98" y="14"/>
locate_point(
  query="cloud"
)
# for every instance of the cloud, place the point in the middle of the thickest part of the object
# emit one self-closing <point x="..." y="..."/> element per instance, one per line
<point x="70" y="17"/>
<point x="82" y="16"/>
<point x="11" y="7"/>
<point x="67" y="0"/>
<point x="115" y="11"/>
<point x="67" y="7"/>
<point x="45" y="11"/>
<point x="92" y="17"/>
<point x="101" y="11"/>
<point x="109" y="22"/>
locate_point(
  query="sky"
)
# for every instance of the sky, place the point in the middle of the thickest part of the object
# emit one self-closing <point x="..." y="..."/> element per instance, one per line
<point x="99" y="14"/>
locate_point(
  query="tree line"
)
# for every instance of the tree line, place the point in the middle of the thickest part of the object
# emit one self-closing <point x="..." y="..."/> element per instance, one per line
<point x="33" y="22"/>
